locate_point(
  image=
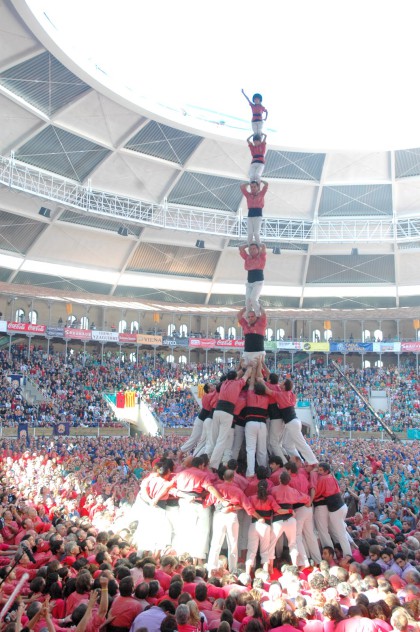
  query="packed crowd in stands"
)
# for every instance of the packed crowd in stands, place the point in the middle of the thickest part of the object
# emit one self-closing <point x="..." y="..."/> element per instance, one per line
<point x="73" y="389"/>
<point x="70" y="506"/>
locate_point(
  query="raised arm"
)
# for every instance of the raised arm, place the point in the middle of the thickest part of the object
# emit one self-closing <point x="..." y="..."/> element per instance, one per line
<point x="248" y="140"/>
<point x="244" y="188"/>
<point x="253" y="377"/>
<point x="263" y="138"/>
<point x="240" y="314"/>
<point x="247" y="98"/>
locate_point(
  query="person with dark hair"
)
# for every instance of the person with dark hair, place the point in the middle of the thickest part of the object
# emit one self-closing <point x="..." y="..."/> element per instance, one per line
<point x="253" y="617"/>
<point x="276" y="424"/>
<point x="255" y="258"/>
<point x="124" y="608"/>
<point x="169" y="624"/>
<point x="225" y="522"/>
<point x="223" y="414"/>
<point x="258" y="110"/>
<point x="260" y="532"/>
<point x="152" y="618"/>
<point x="257" y="146"/>
<point x="253" y="328"/>
<point x="328" y="490"/>
<point x="286" y="497"/>
<point x="205" y="412"/>
<point x="256" y="420"/>
<point x="293" y="440"/>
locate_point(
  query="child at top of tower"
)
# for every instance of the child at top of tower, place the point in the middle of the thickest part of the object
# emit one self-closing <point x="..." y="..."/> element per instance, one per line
<point x="257" y="112"/>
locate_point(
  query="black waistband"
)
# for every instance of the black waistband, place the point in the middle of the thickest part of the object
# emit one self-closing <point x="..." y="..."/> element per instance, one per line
<point x="254" y="413"/>
<point x="334" y="502"/>
<point x="227" y="407"/>
<point x="273" y="411"/>
<point x="267" y="520"/>
<point x="297" y="505"/>
<point x="282" y="517"/>
<point x="288" y="414"/>
<point x="203" y="414"/>
<point x="320" y="503"/>
<point x="255" y="211"/>
<point x="254" y="276"/>
<point x="254" y="342"/>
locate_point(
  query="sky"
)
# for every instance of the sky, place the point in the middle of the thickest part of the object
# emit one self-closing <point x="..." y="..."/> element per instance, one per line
<point x="334" y="74"/>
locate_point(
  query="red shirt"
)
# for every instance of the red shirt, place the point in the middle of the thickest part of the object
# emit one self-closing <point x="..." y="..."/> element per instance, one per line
<point x="255" y="200"/>
<point x="124" y="610"/>
<point x="230" y="389"/>
<point x="258" y="152"/>
<point x="257" y="111"/>
<point x="254" y="263"/>
<point x="258" y="327"/>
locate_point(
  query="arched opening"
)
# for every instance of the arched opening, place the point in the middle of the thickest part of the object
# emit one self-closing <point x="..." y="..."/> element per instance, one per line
<point x="269" y="333"/>
<point x="133" y="357"/>
<point x="33" y="317"/>
<point x="379" y="364"/>
<point x="183" y="330"/>
<point x="182" y="359"/>
<point x="84" y="322"/>
<point x="171" y="329"/>
<point x="122" y="326"/>
<point x="378" y="335"/>
<point x="134" y="327"/>
<point x="366" y="364"/>
<point x="220" y="332"/>
<point x="316" y="335"/>
<point x="327" y="334"/>
<point x="219" y="360"/>
<point x="20" y="315"/>
<point x="232" y="333"/>
<point x="280" y="334"/>
<point x="366" y="335"/>
<point x="170" y="358"/>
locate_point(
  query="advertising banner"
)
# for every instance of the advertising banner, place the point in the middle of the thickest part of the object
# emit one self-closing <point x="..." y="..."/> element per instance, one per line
<point x="3" y="325"/>
<point x="55" y="332"/>
<point x="79" y="334"/>
<point x="414" y="347"/>
<point x="288" y="345"/>
<point x="270" y="345"/>
<point x="169" y="341"/>
<point x="386" y="347"/>
<point x="62" y="428"/>
<point x="104" y="336"/>
<point x="127" y="338"/>
<point x="25" y="328"/>
<point x="229" y="344"/>
<point x="149" y="339"/>
<point x="202" y="343"/>
<point x="351" y="347"/>
<point x="312" y="347"/>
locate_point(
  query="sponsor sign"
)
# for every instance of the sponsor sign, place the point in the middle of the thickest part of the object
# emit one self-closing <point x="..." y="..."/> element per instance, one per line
<point x="55" y="332"/>
<point x="288" y="344"/>
<point x="25" y="328"/>
<point x="202" y="343"/>
<point x="104" y="336"/>
<point x="174" y="342"/>
<point x="310" y="347"/>
<point x="79" y="334"/>
<point x="270" y="345"/>
<point x="414" y="347"/>
<point x="146" y="339"/>
<point x="351" y="347"/>
<point x="3" y="325"/>
<point x="386" y="347"/>
<point x="127" y="338"/>
<point x="230" y="344"/>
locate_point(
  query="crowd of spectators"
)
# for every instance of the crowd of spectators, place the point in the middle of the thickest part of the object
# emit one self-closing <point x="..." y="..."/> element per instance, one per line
<point x="69" y="503"/>
<point x="73" y="389"/>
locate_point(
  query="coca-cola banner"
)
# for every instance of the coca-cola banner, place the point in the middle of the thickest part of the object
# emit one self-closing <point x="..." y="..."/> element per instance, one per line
<point x="25" y="328"/>
<point x="79" y="334"/>
<point x="127" y="338"/>
<point x="104" y="336"/>
<point x="230" y="344"/>
<point x="414" y="347"/>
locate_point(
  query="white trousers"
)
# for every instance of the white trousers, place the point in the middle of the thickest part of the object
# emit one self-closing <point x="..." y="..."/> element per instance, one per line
<point x="288" y="527"/>
<point x="195" y="534"/>
<point x="338" y="530"/>
<point x="294" y="442"/>
<point x="257" y="127"/>
<point x="306" y="542"/>
<point x="259" y="534"/>
<point x="256" y="169"/>
<point x="321" y="523"/>
<point x="205" y="444"/>
<point x="256" y="445"/>
<point x="238" y="439"/>
<point x="222" y="425"/>
<point x="275" y="438"/>
<point x="194" y="437"/>
<point x="254" y="229"/>
<point x="252" y="295"/>
<point x="248" y="356"/>
<point x="224" y="525"/>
